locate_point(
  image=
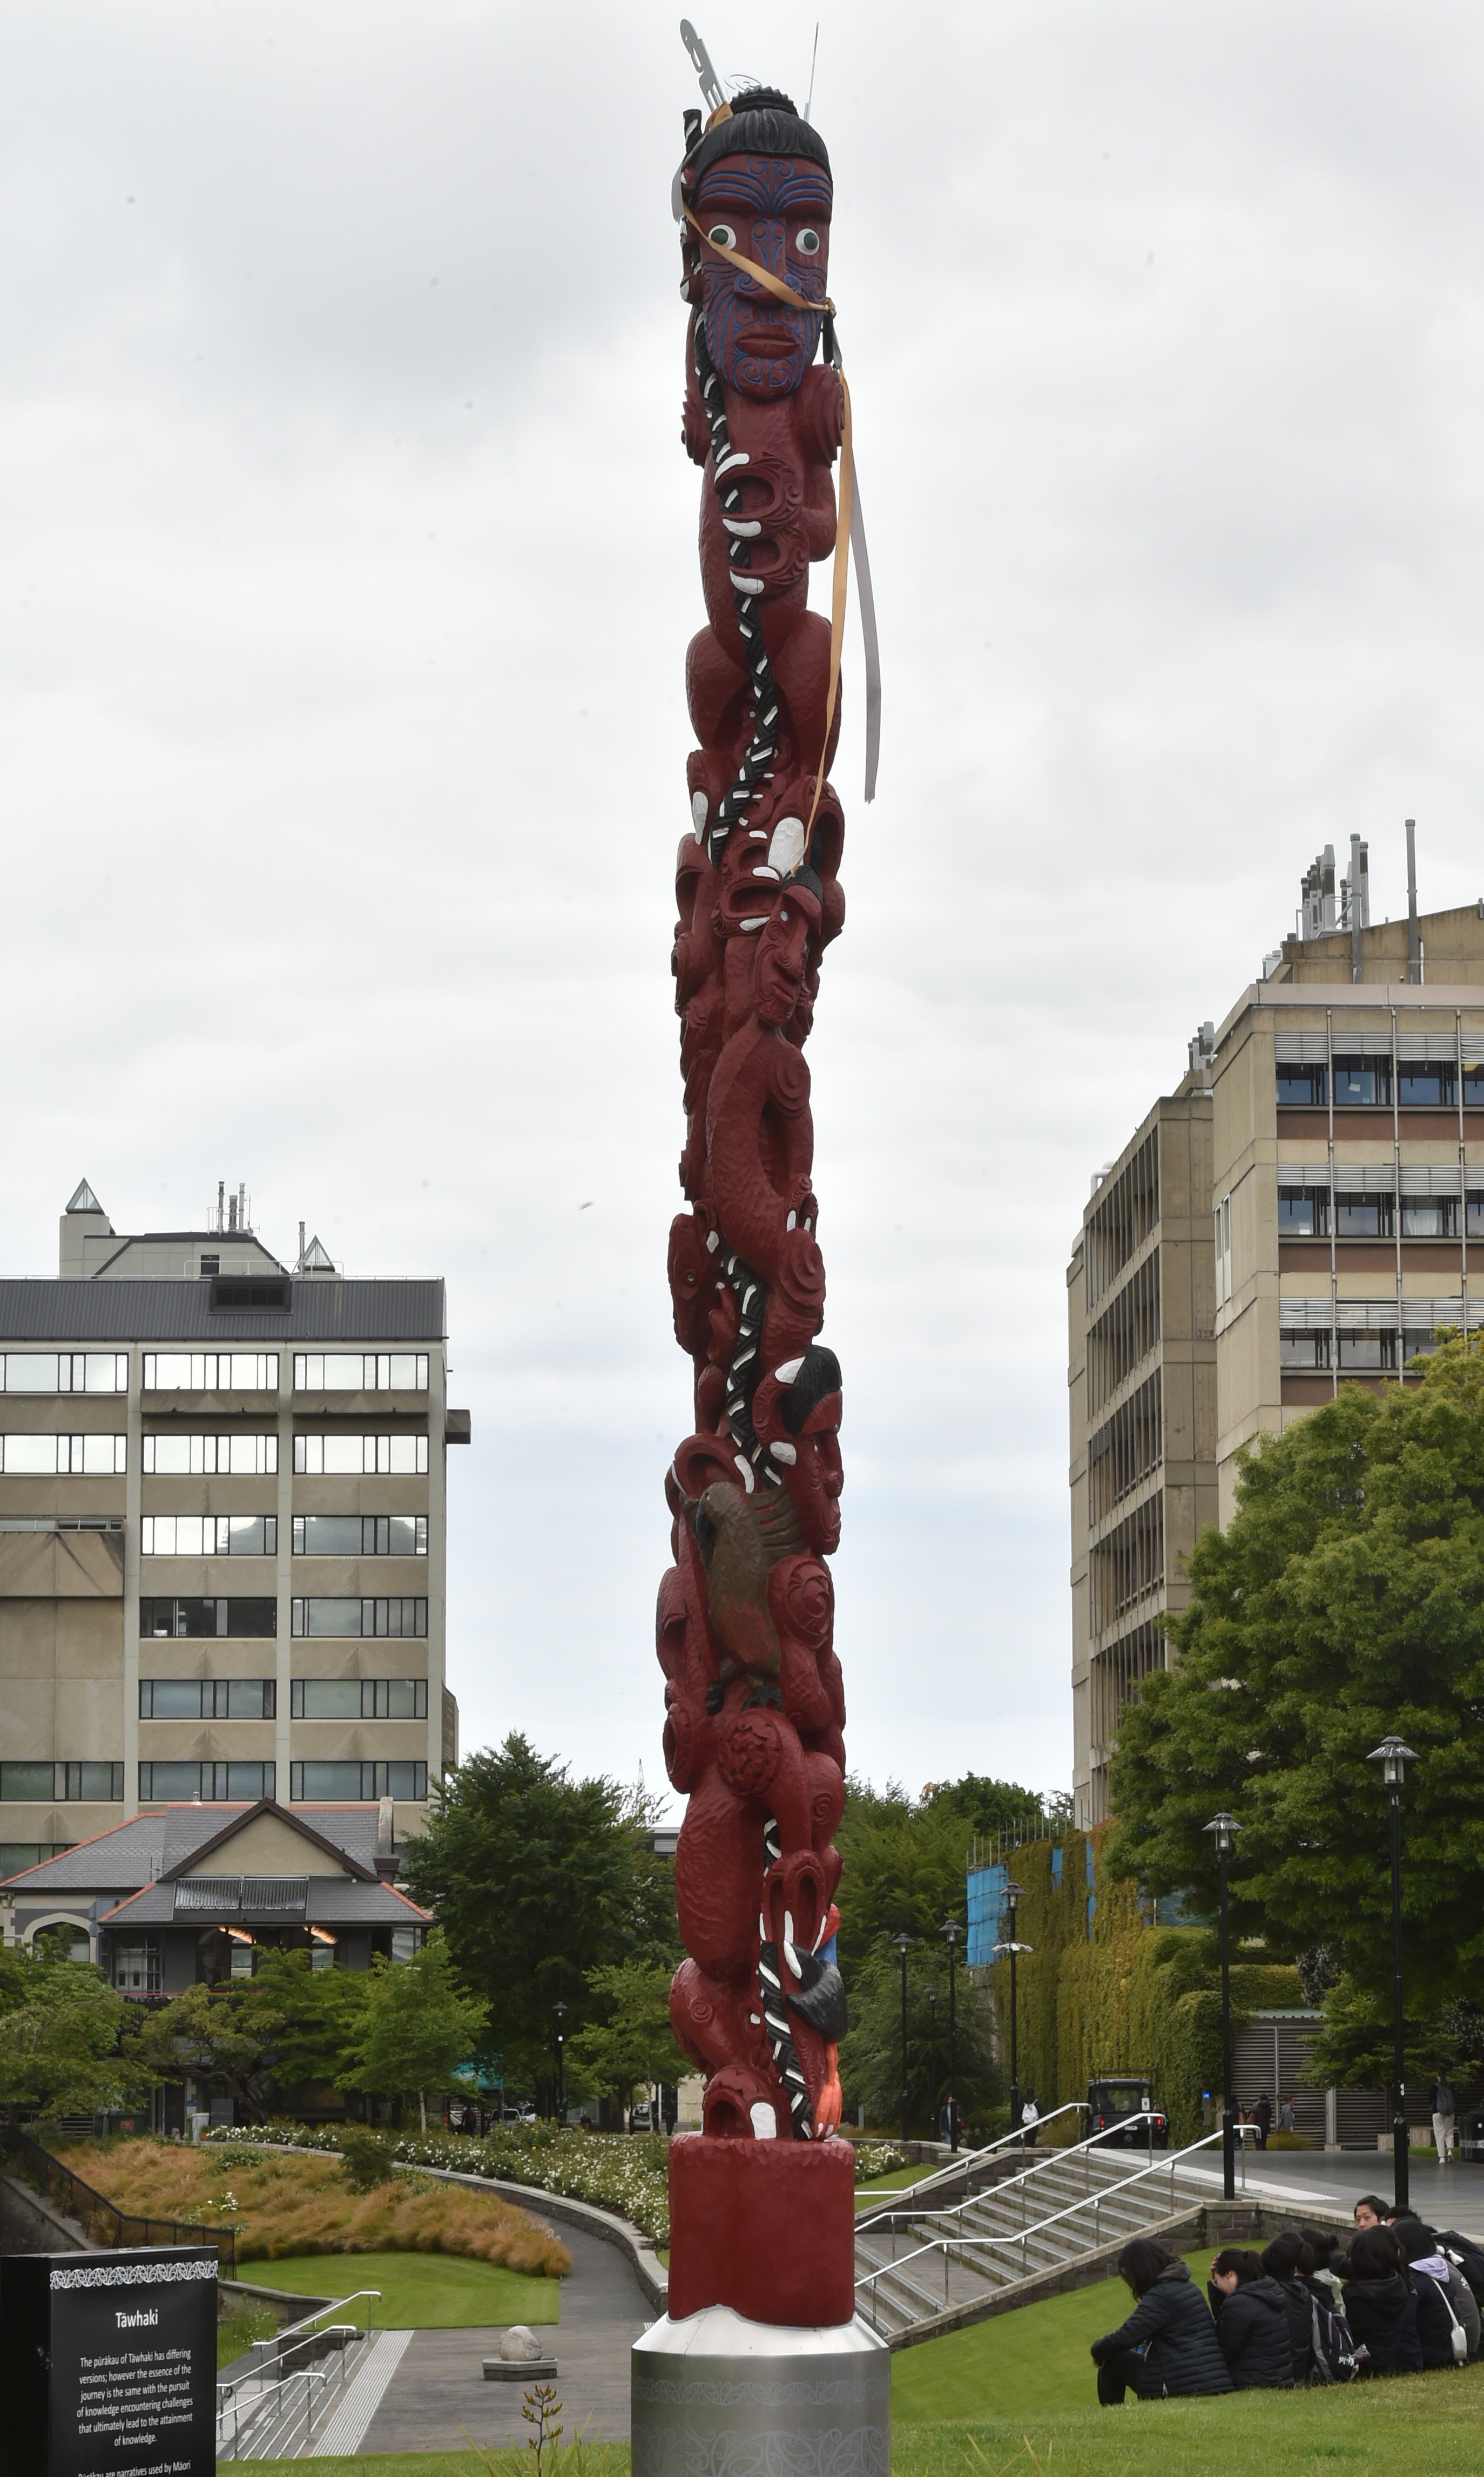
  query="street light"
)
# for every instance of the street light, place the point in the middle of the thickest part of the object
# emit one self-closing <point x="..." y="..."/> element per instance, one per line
<point x="559" y="2010"/>
<point x="951" y="1932"/>
<point x="1393" y="1757"/>
<point x="1225" y="1828"/>
<point x="1014" y="1894"/>
<point x="932" y="2064"/>
<point x="904" y="1943"/>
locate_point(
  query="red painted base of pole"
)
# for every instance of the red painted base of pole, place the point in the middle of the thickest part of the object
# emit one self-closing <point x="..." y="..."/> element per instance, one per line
<point x="767" y="2227"/>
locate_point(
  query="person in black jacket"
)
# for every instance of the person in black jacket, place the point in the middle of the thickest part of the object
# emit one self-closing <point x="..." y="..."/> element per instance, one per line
<point x="1166" y="2348"/>
<point x="1251" y="2322"/>
<point x="1431" y="2278"/>
<point x="1380" y="2306"/>
<point x="1286" y="2259"/>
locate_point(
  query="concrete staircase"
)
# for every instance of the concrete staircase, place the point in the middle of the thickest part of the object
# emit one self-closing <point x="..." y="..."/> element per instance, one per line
<point x="925" y="2269"/>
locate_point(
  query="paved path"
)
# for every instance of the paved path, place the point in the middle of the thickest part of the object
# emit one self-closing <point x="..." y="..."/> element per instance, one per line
<point x="438" y="2389"/>
<point x="1446" y="2197"/>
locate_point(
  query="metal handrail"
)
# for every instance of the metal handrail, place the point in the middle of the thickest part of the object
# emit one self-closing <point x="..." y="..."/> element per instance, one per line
<point x="1051" y="2159"/>
<point x="256" y="2404"/>
<point x="1089" y="2201"/>
<point x="88" y="2205"/>
<point x="967" y="2158"/>
<point x="307" y="2322"/>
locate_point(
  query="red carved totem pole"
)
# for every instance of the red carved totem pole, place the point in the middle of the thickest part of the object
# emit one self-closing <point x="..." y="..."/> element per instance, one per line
<point x="762" y="2199"/>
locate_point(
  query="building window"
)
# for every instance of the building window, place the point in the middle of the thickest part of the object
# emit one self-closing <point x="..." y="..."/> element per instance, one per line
<point x="15" y="1856"/>
<point x="207" y="1698"/>
<point x="137" y="1966"/>
<point x="1223" y="1251"/>
<point x="1365" y="1216"/>
<point x="406" y="1942"/>
<point x="309" y="1782"/>
<point x="1304" y="1212"/>
<point x="1366" y="1351"/>
<point x="242" y="1952"/>
<point x="59" y="1784"/>
<point x="1306" y="1350"/>
<point x="36" y="1454"/>
<point x="210" y="1264"/>
<point x="315" y="1456"/>
<point x="188" y="1621"/>
<point x="1427" y="1083"/>
<point x="1302" y="1084"/>
<point x="212" y="1782"/>
<point x="1124" y="1450"/>
<point x="357" y="1371"/>
<point x="1126" y="1213"/>
<point x="211" y="1371"/>
<point x="245" y="1457"/>
<point x="1125" y="1334"/>
<point x="394" y="1617"/>
<point x="1429" y="1217"/>
<point x="1128" y="1564"/>
<point x="359" y="1698"/>
<point x="1363" y="1082"/>
<point x="360" y="1535"/>
<point x="78" y="1372"/>
<point x="209" y="1535"/>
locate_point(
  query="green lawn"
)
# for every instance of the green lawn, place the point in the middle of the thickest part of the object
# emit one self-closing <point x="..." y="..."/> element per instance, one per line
<point x="898" y="2177"/>
<point x="419" y="2291"/>
<point x="239" y="2327"/>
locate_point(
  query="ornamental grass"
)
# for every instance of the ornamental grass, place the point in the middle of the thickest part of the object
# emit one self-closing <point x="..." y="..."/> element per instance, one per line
<point x="284" y="2203"/>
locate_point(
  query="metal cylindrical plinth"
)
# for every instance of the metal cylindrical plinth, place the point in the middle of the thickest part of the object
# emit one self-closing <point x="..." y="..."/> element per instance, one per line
<point x="760" y="2400"/>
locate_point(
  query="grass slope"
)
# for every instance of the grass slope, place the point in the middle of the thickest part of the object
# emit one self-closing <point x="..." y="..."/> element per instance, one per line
<point x="1031" y="2362"/>
<point x="420" y="2292"/>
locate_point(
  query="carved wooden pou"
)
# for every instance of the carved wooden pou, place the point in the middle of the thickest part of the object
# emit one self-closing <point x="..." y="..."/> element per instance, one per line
<point x="761" y="2200"/>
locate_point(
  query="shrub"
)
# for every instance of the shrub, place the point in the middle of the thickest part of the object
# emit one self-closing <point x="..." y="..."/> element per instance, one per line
<point x="368" y="2158"/>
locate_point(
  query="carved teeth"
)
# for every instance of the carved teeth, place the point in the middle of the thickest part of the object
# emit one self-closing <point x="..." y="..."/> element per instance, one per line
<point x="747" y="526"/>
<point x="746" y="1469"/>
<point x="791" y="1366"/>
<point x="784" y="1453"/>
<point x="747" y="584"/>
<point x="737" y="456"/>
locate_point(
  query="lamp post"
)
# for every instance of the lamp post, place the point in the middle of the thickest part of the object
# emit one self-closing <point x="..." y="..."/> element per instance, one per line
<point x="951" y="1932"/>
<point x="559" y="2010"/>
<point x="932" y="2062"/>
<point x="1393" y="1757"/>
<point x="1225" y="1829"/>
<point x="1013" y="1896"/>
<point x="904" y="1943"/>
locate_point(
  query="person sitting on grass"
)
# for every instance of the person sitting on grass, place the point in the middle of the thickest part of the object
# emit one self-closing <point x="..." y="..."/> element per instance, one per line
<point x="1441" y="2293"/>
<point x="1166" y="2348"/>
<point x="1327" y="2279"/>
<point x="1251" y="2322"/>
<point x="1371" y="2212"/>
<point x="1380" y="2306"/>
<point x="1286" y="2259"/>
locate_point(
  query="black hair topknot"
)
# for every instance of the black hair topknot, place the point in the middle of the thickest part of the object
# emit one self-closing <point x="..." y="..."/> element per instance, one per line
<point x="764" y="121"/>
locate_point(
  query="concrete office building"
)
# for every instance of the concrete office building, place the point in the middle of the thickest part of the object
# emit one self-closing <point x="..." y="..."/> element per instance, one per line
<point x="1142" y="1371"/>
<point x="1344" y="1233"/>
<point x="221" y="1533"/>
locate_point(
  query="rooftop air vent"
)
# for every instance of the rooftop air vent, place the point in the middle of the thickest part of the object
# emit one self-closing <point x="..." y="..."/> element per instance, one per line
<point x="233" y="1293"/>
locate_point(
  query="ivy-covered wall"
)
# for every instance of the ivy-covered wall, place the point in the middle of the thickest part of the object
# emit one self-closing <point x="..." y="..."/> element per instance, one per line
<point x="1103" y="1991"/>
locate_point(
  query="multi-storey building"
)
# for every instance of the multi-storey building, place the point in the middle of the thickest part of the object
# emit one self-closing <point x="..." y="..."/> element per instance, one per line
<point x="221" y="1533"/>
<point x="1141" y="1353"/>
<point x="1332" y="1228"/>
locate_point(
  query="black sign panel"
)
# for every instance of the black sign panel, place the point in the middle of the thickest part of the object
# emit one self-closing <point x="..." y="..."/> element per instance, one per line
<point x="108" y="2363"/>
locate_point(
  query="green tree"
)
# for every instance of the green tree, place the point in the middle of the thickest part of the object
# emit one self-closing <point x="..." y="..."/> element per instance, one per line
<point x="1345" y="1601"/>
<point x="259" y="2039"/>
<point x="906" y="1858"/>
<point x="634" y="2042"/>
<point x="206" y="2034"/>
<point x="870" y="2054"/>
<point x="538" y="1880"/>
<point x="59" y="2033"/>
<point x="420" y="2026"/>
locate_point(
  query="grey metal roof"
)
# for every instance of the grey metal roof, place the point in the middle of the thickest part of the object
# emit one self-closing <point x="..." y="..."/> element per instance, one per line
<point x="332" y="1900"/>
<point x="134" y="1853"/>
<point x="323" y="1310"/>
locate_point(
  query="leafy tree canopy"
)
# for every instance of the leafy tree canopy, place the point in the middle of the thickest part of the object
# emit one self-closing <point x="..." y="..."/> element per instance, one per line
<point x="906" y="1858"/>
<point x="633" y="2042"/>
<point x="420" y="2025"/>
<point x="539" y="1879"/>
<point x="60" y="2025"/>
<point x="1345" y="1602"/>
<point x="870" y="2054"/>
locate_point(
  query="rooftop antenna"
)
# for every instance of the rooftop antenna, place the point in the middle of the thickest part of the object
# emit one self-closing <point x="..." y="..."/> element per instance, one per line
<point x="300" y="1265"/>
<point x="1414" y="942"/>
<point x="1357" y="924"/>
<point x="812" y="60"/>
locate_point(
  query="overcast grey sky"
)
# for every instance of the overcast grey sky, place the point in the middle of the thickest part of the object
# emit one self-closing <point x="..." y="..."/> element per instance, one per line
<point x="349" y="564"/>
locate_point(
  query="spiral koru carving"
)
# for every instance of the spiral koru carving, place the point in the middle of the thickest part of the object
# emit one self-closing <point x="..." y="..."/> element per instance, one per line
<point x="745" y="1627"/>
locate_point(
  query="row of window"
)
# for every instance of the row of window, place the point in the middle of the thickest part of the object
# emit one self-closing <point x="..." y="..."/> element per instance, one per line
<point x="335" y="1455"/>
<point x="256" y="1535"/>
<point x="310" y="1698"/>
<point x="242" y="1457"/>
<point x="213" y="1372"/>
<point x="1309" y="1212"/>
<point x="27" y="1454"/>
<point x="392" y="1618"/>
<point x="136" y="1969"/>
<point x="1368" y="1083"/>
<point x="59" y="1784"/>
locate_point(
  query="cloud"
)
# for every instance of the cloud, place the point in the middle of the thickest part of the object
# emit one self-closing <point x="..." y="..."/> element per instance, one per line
<point x="350" y="567"/>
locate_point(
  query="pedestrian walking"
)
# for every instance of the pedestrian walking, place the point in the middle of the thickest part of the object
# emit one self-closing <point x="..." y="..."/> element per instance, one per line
<point x="950" y="2119"/>
<point x="1030" y="2117"/>
<point x="1287" y="2121"/>
<point x="1262" y="2118"/>
<point x="1442" y="2106"/>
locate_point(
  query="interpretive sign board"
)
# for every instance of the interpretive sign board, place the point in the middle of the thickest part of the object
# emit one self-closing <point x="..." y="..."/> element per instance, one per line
<point x="108" y="2363"/>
